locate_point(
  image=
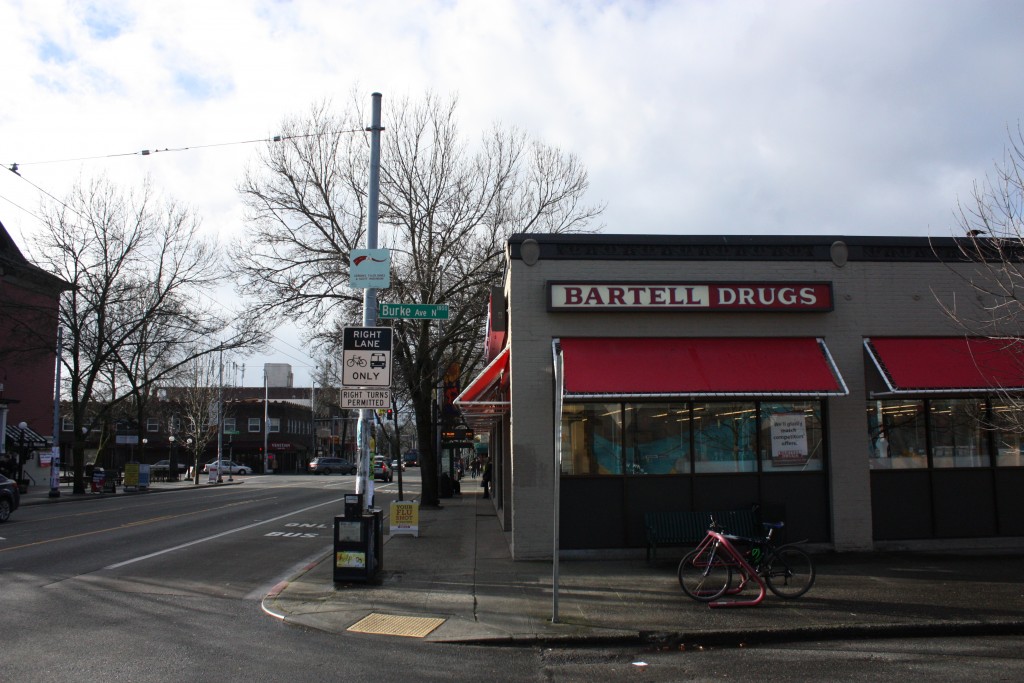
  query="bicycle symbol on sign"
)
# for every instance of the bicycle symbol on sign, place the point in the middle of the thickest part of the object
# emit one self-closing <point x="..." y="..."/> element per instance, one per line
<point x="356" y="361"/>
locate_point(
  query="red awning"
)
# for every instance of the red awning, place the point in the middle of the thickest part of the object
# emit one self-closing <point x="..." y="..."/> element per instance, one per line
<point x="948" y="364"/>
<point x="484" y="397"/>
<point x="614" y="367"/>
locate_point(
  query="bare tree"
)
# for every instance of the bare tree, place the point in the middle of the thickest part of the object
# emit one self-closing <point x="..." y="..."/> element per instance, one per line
<point x="992" y="222"/>
<point x="140" y="272"/>
<point x="446" y="211"/>
<point x="194" y="400"/>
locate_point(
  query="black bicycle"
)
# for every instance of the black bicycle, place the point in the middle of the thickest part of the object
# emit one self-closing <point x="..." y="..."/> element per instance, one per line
<point x="708" y="572"/>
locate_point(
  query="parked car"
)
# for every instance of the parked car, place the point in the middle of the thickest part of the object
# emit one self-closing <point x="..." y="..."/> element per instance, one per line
<point x="10" y="497"/>
<point x="329" y="465"/>
<point x="381" y="469"/>
<point x="226" y="467"/>
<point x="162" y="467"/>
<point x="394" y="465"/>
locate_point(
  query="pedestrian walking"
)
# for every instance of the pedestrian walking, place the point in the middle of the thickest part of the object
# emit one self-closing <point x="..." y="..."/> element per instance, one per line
<point x="485" y="481"/>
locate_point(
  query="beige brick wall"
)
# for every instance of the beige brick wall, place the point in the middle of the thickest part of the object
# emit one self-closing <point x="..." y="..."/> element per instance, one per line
<point x="883" y="299"/>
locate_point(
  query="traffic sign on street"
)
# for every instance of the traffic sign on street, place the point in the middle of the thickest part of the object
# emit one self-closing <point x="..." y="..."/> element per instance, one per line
<point x="413" y="311"/>
<point x="366" y="357"/>
<point x="365" y="398"/>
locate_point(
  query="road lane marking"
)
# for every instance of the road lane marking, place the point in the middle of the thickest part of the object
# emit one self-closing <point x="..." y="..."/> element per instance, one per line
<point x="127" y="525"/>
<point x="278" y="584"/>
<point x="221" y="534"/>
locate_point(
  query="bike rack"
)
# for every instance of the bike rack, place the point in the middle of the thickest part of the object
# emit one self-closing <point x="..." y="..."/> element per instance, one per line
<point x="747" y="573"/>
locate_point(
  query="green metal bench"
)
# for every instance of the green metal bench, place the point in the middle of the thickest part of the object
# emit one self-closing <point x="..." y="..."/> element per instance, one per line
<point x="684" y="528"/>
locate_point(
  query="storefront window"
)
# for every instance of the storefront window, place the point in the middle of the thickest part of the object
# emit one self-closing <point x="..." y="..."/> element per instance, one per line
<point x="791" y="436"/>
<point x="1007" y="428"/>
<point x="897" y="433"/>
<point x="591" y="438"/>
<point x="724" y="436"/>
<point x="657" y="438"/>
<point x="957" y="432"/>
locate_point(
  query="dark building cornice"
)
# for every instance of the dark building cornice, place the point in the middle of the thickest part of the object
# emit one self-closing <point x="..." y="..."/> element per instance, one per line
<point x="758" y="248"/>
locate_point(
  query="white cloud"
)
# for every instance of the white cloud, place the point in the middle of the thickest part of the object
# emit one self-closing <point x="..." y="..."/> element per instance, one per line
<point x="797" y="116"/>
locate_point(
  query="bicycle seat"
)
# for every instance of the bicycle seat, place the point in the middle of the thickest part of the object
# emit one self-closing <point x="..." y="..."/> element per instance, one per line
<point x="773" y="525"/>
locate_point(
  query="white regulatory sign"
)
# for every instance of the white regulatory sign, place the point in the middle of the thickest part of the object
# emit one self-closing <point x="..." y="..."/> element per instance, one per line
<point x="366" y="357"/>
<point x="365" y="398"/>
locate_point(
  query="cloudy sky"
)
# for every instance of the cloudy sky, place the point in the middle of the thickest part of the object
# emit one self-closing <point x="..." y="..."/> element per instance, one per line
<point x="693" y="117"/>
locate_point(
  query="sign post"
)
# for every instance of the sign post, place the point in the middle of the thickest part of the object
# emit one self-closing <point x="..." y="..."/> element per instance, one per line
<point x="364" y="481"/>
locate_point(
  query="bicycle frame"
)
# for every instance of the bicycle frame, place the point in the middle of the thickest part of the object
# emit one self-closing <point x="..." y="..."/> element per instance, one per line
<point x="729" y="556"/>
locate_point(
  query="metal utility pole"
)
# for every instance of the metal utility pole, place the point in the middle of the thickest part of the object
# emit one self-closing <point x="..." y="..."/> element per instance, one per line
<point x="364" y="482"/>
<point x="266" y="422"/>
<point x="55" y="446"/>
<point x="220" y="418"/>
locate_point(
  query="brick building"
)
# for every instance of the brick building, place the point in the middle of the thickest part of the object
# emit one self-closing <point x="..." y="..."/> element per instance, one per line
<point x="29" y="305"/>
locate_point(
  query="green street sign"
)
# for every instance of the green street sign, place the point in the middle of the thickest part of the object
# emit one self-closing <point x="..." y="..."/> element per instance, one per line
<point x="413" y="311"/>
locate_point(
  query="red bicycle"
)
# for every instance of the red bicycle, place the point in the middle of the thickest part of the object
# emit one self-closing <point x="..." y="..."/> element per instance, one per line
<point x="706" y="573"/>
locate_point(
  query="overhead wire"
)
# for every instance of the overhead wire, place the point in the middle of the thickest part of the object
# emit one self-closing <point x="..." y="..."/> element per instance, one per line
<point x="15" y="168"/>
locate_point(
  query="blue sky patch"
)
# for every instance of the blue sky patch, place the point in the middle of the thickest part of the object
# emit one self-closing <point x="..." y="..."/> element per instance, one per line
<point x="201" y="88"/>
<point x="54" y="53"/>
<point x="104" y="23"/>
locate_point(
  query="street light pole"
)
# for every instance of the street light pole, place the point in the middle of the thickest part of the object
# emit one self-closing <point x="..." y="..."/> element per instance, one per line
<point x="220" y="420"/>
<point x="22" y="453"/>
<point x="55" y="445"/>
<point x="172" y="463"/>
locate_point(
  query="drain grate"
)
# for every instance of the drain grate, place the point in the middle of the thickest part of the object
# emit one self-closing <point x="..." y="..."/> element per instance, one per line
<point x="393" y="625"/>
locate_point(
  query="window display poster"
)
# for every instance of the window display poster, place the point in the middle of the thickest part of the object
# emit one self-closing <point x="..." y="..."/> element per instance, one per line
<point x="789" y="439"/>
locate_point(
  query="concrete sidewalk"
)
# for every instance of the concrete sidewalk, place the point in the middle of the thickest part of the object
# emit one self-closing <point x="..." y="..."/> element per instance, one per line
<point x="457" y="582"/>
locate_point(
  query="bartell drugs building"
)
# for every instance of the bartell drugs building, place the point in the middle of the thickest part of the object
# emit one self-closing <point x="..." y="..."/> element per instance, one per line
<point x="822" y="379"/>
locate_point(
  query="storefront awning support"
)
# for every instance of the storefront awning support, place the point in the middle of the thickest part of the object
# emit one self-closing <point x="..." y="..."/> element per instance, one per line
<point x="556" y="357"/>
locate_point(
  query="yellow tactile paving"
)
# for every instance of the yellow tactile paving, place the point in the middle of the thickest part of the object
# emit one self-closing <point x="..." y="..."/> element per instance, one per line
<point x="393" y="625"/>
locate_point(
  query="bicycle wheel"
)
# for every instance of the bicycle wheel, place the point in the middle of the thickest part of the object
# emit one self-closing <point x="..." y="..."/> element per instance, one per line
<point x="703" y="575"/>
<point x="789" y="572"/>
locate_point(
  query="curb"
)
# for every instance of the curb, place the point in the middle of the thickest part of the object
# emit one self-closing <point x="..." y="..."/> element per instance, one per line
<point x="83" y="497"/>
<point x="736" y="638"/>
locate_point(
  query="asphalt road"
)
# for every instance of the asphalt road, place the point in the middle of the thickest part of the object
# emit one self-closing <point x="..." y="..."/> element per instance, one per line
<point x="167" y="587"/>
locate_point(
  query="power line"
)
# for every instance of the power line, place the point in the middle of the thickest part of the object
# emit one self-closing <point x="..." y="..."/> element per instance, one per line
<point x="219" y="304"/>
<point x="13" y="167"/>
<point x="19" y="206"/>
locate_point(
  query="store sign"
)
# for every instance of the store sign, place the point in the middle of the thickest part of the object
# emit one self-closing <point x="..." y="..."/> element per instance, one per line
<point x="789" y="439"/>
<point x="405" y="518"/>
<point x="689" y="296"/>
